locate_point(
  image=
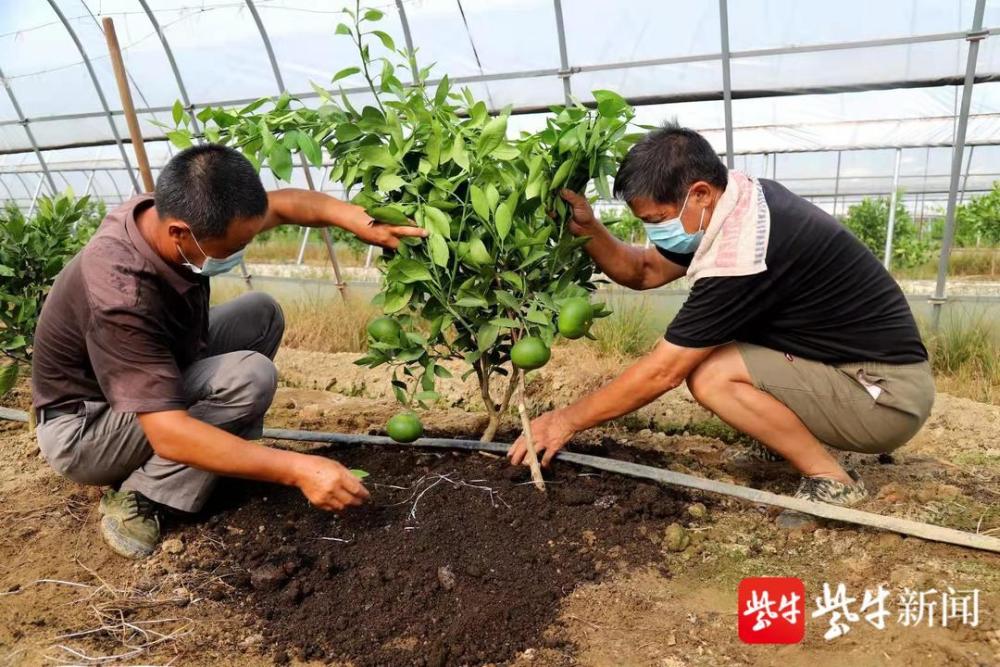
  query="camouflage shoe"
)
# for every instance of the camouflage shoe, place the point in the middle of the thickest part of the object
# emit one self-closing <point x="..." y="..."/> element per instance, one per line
<point x="823" y="490"/>
<point x="130" y="523"/>
<point x="755" y="452"/>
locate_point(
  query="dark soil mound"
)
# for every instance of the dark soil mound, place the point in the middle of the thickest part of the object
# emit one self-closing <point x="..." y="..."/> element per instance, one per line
<point x="456" y="560"/>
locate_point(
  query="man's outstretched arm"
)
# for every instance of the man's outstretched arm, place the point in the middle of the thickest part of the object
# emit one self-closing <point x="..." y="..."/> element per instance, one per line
<point x="307" y="208"/>
<point x="663" y="369"/>
<point x="177" y="436"/>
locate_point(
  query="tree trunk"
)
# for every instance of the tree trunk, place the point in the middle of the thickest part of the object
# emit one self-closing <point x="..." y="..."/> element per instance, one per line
<point x="536" y="470"/>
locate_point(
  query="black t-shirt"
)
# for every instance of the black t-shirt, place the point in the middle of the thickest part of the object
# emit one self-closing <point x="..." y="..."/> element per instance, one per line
<point x="824" y="295"/>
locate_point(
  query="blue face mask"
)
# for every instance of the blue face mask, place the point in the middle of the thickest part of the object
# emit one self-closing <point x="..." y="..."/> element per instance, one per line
<point x="670" y="234"/>
<point x="212" y="266"/>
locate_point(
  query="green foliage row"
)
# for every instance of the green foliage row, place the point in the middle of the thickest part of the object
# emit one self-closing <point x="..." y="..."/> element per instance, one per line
<point x="32" y="253"/>
<point x="869" y="221"/>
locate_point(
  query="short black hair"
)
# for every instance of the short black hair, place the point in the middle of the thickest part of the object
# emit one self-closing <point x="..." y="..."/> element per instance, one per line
<point x="208" y="187"/>
<point x="663" y="164"/>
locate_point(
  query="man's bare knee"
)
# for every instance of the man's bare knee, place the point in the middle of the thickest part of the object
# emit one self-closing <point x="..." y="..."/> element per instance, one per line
<point x="712" y="376"/>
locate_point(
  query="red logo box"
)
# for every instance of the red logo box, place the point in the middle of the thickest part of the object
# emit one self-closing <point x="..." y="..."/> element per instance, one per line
<point x="771" y="610"/>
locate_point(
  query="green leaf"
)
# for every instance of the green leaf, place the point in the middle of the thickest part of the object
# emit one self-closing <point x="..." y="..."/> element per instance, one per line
<point x="493" y="134"/>
<point x="487" y="336"/>
<point x="479" y="202"/>
<point x="396" y="298"/>
<point x="6" y="271"/>
<point x="609" y="103"/>
<point x="409" y="271"/>
<point x="373" y="15"/>
<point x="180" y="138"/>
<point x="458" y="152"/>
<point x="178" y="112"/>
<point x="562" y="173"/>
<point x="441" y="94"/>
<point x="438" y="249"/>
<point x="437" y="221"/>
<point x="377" y="156"/>
<point x="389" y="182"/>
<point x="472" y="302"/>
<point x="514" y="279"/>
<point x="492" y="196"/>
<point x="347" y="132"/>
<point x="360" y="474"/>
<point x="344" y="73"/>
<point x="503" y="219"/>
<point x="8" y="377"/>
<point x="386" y="39"/>
<point x="310" y="149"/>
<point x="388" y="214"/>
<point x="280" y="161"/>
<point x="342" y="29"/>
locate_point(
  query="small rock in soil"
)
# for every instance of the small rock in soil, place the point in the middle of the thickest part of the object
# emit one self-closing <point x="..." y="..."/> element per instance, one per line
<point x="697" y="510"/>
<point x="446" y="577"/>
<point x="676" y="538"/>
<point x="268" y="578"/>
<point x="172" y="546"/>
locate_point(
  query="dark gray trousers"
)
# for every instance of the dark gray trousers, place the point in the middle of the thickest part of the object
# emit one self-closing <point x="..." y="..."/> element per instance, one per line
<point x="232" y="388"/>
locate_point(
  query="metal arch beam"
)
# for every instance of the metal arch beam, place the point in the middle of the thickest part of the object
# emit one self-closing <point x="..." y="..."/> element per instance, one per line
<point x="727" y="86"/>
<point x="173" y="66"/>
<point x="341" y="285"/>
<point x="408" y="38"/>
<point x="97" y="88"/>
<point x="22" y="119"/>
<point x="564" y="70"/>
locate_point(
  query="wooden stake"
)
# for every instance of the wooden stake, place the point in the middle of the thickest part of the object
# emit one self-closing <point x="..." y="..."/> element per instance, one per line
<point x="536" y="470"/>
<point x="127" y="106"/>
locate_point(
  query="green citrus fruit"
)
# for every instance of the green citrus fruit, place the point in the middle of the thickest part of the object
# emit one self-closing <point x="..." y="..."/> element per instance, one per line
<point x="575" y="317"/>
<point x="404" y="427"/>
<point x="384" y="330"/>
<point x="530" y="353"/>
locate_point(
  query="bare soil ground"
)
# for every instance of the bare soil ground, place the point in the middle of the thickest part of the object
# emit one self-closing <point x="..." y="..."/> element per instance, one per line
<point x="654" y="600"/>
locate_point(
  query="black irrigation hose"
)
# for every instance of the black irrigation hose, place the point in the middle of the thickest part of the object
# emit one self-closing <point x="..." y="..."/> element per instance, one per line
<point x="905" y="526"/>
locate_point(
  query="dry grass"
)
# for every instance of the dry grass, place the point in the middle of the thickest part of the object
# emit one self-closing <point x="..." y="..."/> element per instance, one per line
<point x="320" y="324"/>
<point x="285" y="250"/>
<point x="965" y="355"/>
<point x="627" y="332"/>
<point x="981" y="263"/>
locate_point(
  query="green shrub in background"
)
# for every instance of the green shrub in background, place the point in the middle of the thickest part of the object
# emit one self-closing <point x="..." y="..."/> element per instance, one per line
<point x="32" y="253"/>
<point x="977" y="222"/>
<point x="869" y="221"/>
<point x="623" y="225"/>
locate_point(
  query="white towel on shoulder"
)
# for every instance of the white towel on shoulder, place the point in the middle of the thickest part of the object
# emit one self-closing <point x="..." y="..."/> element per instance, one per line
<point x="735" y="242"/>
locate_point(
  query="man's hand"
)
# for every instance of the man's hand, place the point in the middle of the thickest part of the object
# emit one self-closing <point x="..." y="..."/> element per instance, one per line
<point x="583" y="221"/>
<point x="550" y="432"/>
<point x="328" y="485"/>
<point x="385" y="235"/>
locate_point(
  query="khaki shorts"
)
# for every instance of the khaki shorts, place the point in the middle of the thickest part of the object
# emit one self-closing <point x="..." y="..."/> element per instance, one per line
<point x="835" y="404"/>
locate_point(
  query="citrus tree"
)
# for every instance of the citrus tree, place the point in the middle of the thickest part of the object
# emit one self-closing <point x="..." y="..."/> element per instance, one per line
<point x="32" y="252"/>
<point x="978" y="220"/>
<point x="499" y="276"/>
<point x="869" y="221"/>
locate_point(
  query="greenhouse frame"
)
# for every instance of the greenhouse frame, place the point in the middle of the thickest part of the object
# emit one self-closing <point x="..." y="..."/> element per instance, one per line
<point x="782" y="89"/>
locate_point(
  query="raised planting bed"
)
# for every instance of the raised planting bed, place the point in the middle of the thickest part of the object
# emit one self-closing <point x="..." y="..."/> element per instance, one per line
<point x="457" y="559"/>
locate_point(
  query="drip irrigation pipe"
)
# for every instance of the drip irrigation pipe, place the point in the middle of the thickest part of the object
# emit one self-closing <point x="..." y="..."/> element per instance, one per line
<point x="904" y="526"/>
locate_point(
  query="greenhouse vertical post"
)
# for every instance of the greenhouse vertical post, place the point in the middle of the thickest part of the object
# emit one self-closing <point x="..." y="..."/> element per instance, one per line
<point x="97" y="89"/>
<point x="891" y="226"/>
<point x="26" y="124"/>
<point x="974" y="37"/>
<point x="836" y="184"/>
<point x="965" y="179"/>
<point x="727" y="90"/>
<point x="341" y="286"/>
<point x="408" y="38"/>
<point x="34" y="198"/>
<point x="564" y="72"/>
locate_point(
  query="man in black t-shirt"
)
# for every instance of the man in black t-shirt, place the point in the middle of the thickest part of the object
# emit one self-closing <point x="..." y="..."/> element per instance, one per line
<point x="792" y="333"/>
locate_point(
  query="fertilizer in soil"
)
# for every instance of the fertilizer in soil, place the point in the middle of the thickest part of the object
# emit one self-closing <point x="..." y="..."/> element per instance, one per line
<point x="457" y="558"/>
